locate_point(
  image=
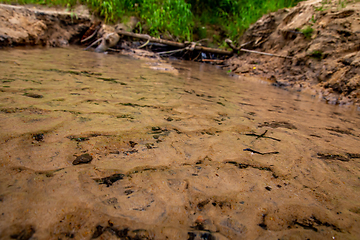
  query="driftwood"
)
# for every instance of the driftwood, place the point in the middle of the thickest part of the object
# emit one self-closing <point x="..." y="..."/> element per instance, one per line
<point x="240" y="49"/>
<point x="190" y="46"/>
<point x="175" y="44"/>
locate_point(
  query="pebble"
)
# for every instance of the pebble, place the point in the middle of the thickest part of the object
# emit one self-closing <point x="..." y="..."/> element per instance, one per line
<point x="85" y="158"/>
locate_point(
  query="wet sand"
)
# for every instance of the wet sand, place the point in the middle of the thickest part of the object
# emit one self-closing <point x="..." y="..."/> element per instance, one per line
<point x="108" y="147"/>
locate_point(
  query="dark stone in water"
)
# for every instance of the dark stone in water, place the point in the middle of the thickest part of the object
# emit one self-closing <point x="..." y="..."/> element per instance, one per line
<point x="156" y="129"/>
<point x="262" y="224"/>
<point x="353" y="155"/>
<point x="98" y="231"/>
<point x="132" y="144"/>
<point x="38" y="137"/>
<point x="33" y="95"/>
<point x="82" y="159"/>
<point x="110" y="179"/>
<point x="121" y="233"/>
<point x="25" y="234"/>
<point x="130" y="152"/>
<point x="330" y="156"/>
<point x="128" y="192"/>
<point x="80" y="139"/>
<point x="203" y="235"/>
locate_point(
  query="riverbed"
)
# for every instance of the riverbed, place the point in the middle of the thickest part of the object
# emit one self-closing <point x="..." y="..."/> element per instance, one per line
<point x="105" y="146"/>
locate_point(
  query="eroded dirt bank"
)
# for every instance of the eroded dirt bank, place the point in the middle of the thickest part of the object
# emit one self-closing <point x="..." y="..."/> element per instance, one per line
<point x="28" y="25"/>
<point x="323" y="37"/>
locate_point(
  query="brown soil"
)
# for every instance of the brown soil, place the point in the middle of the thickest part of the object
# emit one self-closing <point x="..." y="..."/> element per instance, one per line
<point x="41" y="26"/>
<point x="326" y="60"/>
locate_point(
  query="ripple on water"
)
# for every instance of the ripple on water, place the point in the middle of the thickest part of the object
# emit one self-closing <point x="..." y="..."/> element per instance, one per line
<point x="185" y="153"/>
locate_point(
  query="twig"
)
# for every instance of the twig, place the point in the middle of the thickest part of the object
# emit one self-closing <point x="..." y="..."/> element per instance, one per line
<point x="257" y="152"/>
<point x="173" y="51"/>
<point x="197" y="56"/>
<point x="202" y="40"/>
<point x="144" y="44"/>
<point x="89" y="37"/>
<point x="263" y="53"/>
<point x="114" y="50"/>
<point x="232" y="46"/>
<point x="93" y="44"/>
<point x="262" y="136"/>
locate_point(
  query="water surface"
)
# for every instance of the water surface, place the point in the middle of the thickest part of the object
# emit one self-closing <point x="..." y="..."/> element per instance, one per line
<point x="179" y="150"/>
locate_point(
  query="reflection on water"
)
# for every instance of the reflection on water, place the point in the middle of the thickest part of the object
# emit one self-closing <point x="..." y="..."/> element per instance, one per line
<point x="107" y="147"/>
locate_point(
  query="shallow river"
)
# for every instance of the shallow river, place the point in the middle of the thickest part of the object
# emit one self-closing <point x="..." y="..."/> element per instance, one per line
<point x="108" y="147"/>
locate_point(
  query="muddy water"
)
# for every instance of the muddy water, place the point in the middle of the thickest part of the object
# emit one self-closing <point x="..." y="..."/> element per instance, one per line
<point x="108" y="147"/>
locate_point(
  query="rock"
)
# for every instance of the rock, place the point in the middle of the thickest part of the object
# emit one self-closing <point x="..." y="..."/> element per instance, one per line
<point x="82" y="159"/>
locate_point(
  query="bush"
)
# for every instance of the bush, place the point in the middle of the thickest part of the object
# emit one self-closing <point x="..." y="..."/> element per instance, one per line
<point x="235" y="15"/>
<point x="172" y="17"/>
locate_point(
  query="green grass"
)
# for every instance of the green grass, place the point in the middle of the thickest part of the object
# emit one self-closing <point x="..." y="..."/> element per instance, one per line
<point x="179" y="19"/>
<point x="317" y="54"/>
<point x="307" y="31"/>
<point x="235" y="16"/>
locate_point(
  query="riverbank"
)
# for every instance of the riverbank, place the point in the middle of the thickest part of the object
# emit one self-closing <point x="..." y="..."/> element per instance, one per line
<point x="30" y="25"/>
<point x="322" y="41"/>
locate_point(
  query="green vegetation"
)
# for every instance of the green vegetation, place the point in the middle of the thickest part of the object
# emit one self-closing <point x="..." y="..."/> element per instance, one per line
<point x="317" y="54"/>
<point x="234" y="16"/>
<point x="179" y="19"/>
<point x="307" y="31"/>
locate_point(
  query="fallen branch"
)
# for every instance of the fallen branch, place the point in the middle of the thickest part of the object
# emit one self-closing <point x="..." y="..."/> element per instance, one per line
<point x="194" y="46"/>
<point x="262" y="136"/>
<point x="94" y="28"/>
<point x="232" y="46"/>
<point x="89" y="37"/>
<point x="95" y="42"/>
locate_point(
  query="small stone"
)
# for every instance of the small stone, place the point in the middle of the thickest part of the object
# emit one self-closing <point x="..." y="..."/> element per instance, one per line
<point x="169" y="119"/>
<point x="132" y="144"/>
<point x="85" y="158"/>
<point x="33" y="95"/>
<point x="38" y="137"/>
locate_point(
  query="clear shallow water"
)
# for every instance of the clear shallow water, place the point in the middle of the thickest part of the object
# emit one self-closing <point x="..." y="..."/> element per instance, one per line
<point x="178" y="151"/>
